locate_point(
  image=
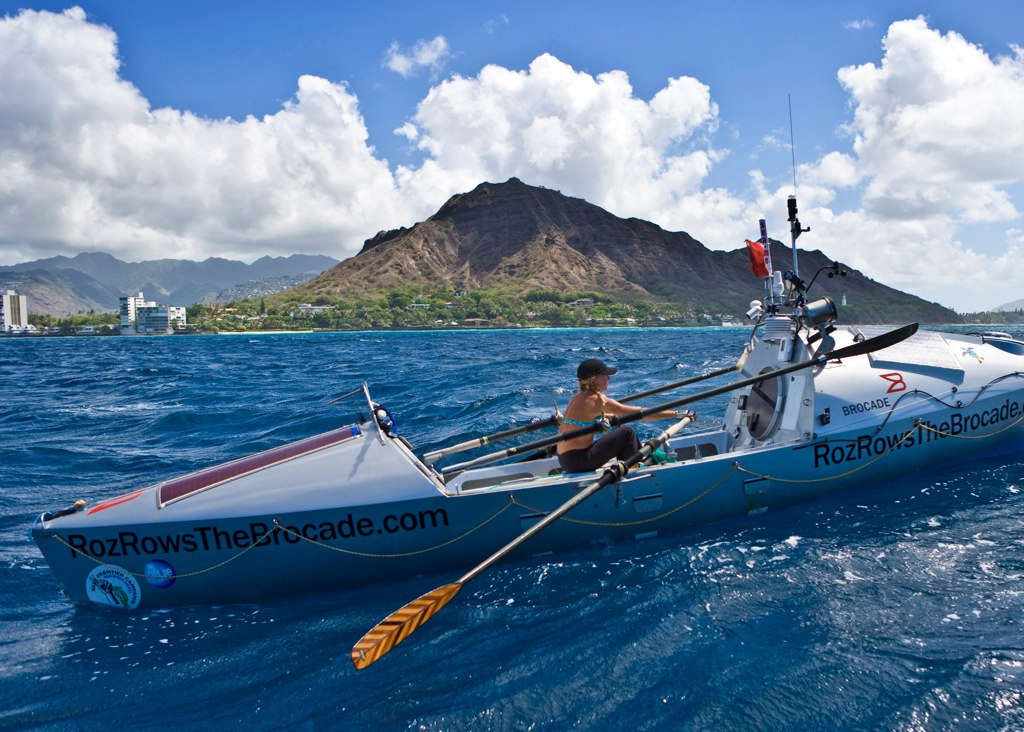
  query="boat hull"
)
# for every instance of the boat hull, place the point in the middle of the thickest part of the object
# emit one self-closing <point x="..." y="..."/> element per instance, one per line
<point x="246" y="558"/>
<point x="355" y="506"/>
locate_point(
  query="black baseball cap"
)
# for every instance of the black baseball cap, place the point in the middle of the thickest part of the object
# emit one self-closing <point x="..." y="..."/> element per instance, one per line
<point x="594" y="367"/>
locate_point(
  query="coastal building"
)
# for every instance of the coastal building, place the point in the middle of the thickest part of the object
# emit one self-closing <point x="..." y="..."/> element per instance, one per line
<point x="142" y="317"/>
<point x="305" y="310"/>
<point x="13" y="313"/>
<point x="128" y="310"/>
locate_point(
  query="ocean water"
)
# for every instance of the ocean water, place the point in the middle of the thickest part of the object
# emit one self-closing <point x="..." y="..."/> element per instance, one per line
<point x="898" y="606"/>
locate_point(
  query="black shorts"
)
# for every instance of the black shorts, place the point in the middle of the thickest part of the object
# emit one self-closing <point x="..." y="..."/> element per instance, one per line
<point x="620" y="444"/>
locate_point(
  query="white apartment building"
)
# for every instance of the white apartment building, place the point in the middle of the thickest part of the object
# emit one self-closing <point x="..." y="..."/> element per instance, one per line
<point x="139" y="317"/>
<point x="13" y="312"/>
<point x="128" y="310"/>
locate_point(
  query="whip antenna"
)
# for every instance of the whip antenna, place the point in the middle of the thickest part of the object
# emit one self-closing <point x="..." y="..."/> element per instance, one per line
<point x="794" y="222"/>
<point x="792" y="141"/>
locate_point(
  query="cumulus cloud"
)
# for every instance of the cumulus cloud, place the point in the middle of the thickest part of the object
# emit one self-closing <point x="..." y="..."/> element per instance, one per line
<point x="926" y="122"/>
<point x="588" y="136"/>
<point x="936" y="151"/>
<point x="88" y="165"/>
<point x="432" y="55"/>
<point x="938" y="139"/>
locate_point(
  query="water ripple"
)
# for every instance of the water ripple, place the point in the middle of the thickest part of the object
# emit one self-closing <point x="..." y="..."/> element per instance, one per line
<point x="899" y="607"/>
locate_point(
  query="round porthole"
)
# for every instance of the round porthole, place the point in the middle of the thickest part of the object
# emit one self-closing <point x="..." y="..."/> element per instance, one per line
<point x="764" y="403"/>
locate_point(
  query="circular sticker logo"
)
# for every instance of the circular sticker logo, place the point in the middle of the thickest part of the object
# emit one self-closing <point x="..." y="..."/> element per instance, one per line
<point x="159" y="573"/>
<point x="110" y="585"/>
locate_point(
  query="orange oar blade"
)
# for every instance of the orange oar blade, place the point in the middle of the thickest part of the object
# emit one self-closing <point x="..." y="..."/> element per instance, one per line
<point x="397" y="626"/>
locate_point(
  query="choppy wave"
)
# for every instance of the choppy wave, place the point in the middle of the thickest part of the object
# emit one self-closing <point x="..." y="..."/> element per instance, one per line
<point x="899" y="607"/>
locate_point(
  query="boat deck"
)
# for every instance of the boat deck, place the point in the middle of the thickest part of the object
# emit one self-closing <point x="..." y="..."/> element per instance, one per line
<point x="684" y="448"/>
<point x="179" y="488"/>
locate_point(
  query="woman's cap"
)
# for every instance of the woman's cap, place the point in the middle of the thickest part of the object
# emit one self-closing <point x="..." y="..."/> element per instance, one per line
<point x="594" y="367"/>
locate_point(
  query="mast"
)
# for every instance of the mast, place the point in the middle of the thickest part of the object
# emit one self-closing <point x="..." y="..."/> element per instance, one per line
<point x="794" y="230"/>
<point x="794" y="222"/>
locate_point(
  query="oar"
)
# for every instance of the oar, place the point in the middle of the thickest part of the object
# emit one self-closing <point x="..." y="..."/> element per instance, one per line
<point x="552" y="421"/>
<point x="855" y="349"/>
<point x="400" y="624"/>
<point x="678" y="384"/>
<point x="397" y="626"/>
<point x="435" y="455"/>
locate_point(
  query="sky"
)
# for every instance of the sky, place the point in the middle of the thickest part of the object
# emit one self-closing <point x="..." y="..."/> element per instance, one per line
<point x="189" y="129"/>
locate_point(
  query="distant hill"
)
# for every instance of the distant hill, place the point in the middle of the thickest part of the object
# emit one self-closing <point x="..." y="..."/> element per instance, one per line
<point x="59" y="292"/>
<point x="94" y="281"/>
<point x="524" y="238"/>
<point x="1011" y="307"/>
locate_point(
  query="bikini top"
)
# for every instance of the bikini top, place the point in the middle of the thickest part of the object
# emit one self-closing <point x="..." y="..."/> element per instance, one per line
<point x="599" y="419"/>
<point x="596" y="420"/>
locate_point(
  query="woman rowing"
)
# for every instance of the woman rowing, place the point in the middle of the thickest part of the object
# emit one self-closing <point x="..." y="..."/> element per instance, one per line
<point x="590" y="406"/>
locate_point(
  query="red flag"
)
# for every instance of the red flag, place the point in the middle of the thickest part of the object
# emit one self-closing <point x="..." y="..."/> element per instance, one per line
<point x="755" y="250"/>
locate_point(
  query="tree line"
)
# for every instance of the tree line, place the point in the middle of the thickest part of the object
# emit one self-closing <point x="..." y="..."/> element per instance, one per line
<point x="423" y="307"/>
<point x="413" y="306"/>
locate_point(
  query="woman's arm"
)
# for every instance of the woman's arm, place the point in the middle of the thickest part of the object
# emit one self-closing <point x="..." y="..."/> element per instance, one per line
<point x="611" y="406"/>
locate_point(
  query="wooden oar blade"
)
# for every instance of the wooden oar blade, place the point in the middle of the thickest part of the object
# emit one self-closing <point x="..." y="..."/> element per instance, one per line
<point x="397" y="626"/>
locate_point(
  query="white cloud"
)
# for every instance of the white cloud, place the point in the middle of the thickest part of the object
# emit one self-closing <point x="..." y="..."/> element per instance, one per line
<point x="587" y="136"/>
<point x="89" y="165"/>
<point x="939" y="137"/>
<point x="86" y="164"/>
<point x="938" y="119"/>
<point x="432" y="55"/>
<point x="493" y="24"/>
<point x="863" y="24"/>
<point x="833" y="170"/>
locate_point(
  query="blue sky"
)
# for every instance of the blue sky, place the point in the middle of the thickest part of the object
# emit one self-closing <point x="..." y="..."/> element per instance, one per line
<point x="195" y="129"/>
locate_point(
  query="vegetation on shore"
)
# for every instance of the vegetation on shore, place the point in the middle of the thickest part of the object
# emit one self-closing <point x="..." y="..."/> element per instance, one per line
<point x="414" y="307"/>
<point x="101" y="323"/>
<point x="417" y="307"/>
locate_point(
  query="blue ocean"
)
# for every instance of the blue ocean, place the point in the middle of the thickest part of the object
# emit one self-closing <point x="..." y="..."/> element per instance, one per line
<point x="896" y="607"/>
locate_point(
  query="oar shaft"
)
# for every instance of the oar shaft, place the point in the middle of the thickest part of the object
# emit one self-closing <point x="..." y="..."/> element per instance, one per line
<point x="856" y="349"/>
<point x="397" y="626"/>
<point x="488" y="439"/>
<point x="436" y="455"/>
<point x="611" y="474"/>
<point x="678" y="384"/>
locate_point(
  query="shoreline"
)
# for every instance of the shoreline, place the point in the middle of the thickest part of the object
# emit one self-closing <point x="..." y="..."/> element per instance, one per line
<point x="951" y="328"/>
<point x="980" y="327"/>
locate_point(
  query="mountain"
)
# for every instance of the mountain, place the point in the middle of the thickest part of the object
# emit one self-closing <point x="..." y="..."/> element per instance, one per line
<point x="95" y="281"/>
<point x="1011" y="307"/>
<point x="59" y="292"/>
<point x="524" y="238"/>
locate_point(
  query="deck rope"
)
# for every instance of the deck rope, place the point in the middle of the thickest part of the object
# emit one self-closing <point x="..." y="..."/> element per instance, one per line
<point x="827" y="478"/>
<point x="513" y="501"/>
<point x="736" y="467"/>
<point x="941" y="399"/>
<point x="638" y="522"/>
<point x="918" y="425"/>
<point x="286" y="530"/>
<point x="100" y="562"/>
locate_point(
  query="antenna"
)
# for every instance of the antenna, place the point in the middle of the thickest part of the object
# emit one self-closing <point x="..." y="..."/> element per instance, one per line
<point x="794" y="222"/>
<point x="792" y="142"/>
